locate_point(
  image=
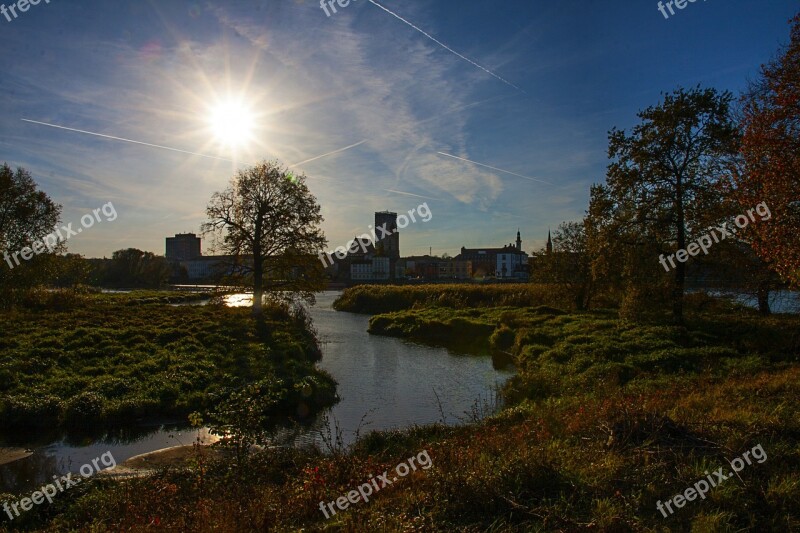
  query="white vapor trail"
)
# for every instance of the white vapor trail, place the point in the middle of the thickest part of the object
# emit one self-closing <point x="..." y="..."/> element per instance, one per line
<point x="440" y="43"/>
<point x="329" y="153"/>
<point x="410" y="194"/>
<point x="202" y="155"/>
<point x="126" y="140"/>
<point x="494" y="168"/>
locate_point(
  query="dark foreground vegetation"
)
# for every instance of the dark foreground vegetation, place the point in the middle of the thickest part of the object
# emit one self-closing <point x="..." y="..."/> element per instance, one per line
<point x="97" y="360"/>
<point x="605" y="418"/>
<point x="372" y="299"/>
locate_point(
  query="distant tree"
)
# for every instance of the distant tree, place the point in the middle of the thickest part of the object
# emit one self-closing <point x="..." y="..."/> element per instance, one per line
<point x="771" y="152"/>
<point x="569" y="265"/>
<point x="663" y="185"/>
<point x="134" y="268"/>
<point x="26" y="215"/>
<point x="70" y="270"/>
<point x="268" y="214"/>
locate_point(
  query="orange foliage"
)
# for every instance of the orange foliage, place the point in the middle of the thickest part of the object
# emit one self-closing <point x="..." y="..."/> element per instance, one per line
<point x="771" y="152"/>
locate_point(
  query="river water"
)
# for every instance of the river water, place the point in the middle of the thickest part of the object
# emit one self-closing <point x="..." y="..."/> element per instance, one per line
<point x="383" y="383"/>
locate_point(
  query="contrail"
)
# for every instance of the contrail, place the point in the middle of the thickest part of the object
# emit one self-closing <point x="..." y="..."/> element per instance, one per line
<point x="410" y="194"/>
<point x="453" y="110"/>
<point x="495" y="168"/>
<point x="329" y="153"/>
<point x="440" y="43"/>
<point x="126" y="140"/>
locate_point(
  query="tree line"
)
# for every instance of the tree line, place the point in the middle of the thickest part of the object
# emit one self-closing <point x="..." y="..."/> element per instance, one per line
<point x="697" y="159"/>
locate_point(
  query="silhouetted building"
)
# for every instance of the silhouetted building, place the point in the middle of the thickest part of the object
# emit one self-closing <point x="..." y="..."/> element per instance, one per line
<point x="387" y="245"/>
<point x="506" y="262"/>
<point x="183" y="247"/>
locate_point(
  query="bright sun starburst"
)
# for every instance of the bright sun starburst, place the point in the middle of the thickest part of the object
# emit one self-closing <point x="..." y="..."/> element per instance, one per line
<point x="232" y="123"/>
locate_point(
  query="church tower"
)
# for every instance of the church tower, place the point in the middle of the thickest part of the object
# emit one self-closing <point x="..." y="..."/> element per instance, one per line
<point x="549" y="243"/>
<point x="519" y="241"/>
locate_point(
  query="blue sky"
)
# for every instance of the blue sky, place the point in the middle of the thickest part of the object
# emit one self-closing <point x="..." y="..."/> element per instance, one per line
<point x="153" y="72"/>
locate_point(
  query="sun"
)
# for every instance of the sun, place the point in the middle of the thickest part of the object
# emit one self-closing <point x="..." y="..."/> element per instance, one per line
<point x="232" y="123"/>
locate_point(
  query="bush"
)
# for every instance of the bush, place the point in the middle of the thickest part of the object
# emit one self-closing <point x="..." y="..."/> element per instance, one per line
<point x="35" y="410"/>
<point x="84" y="410"/>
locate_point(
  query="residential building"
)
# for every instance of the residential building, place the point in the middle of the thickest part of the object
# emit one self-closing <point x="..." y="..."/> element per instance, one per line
<point x="183" y="247"/>
<point x="506" y="262"/>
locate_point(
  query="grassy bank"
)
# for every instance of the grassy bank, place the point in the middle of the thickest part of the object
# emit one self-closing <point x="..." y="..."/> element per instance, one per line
<point x="372" y="299"/>
<point x="605" y="419"/>
<point x="586" y="452"/>
<point x="104" y="360"/>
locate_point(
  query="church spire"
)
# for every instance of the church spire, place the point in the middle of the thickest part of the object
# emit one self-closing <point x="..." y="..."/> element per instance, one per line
<point x="519" y="241"/>
<point x="549" y="242"/>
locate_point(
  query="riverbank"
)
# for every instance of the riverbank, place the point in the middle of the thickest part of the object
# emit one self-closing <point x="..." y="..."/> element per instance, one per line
<point x="106" y="360"/>
<point x="606" y="420"/>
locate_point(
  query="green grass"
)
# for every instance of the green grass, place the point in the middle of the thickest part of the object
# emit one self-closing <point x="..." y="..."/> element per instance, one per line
<point x="604" y="419"/>
<point x="114" y="359"/>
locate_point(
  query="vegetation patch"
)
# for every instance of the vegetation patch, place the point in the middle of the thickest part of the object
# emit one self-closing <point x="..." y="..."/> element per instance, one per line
<point x="373" y="299"/>
<point x="114" y="359"/>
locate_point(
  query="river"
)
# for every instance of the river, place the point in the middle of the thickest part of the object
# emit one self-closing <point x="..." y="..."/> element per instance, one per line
<point x="383" y="383"/>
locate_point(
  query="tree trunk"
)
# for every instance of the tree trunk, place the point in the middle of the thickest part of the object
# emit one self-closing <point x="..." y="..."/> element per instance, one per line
<point x="680" y="270"/>
<point x="677" y="294"/>
<point x="763" y="298"/>
<point x="258" y="284"/>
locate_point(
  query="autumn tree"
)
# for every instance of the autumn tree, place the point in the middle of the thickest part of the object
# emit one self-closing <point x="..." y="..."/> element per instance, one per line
<point x="26" y="215"/>
<point x="663" y="183"/>
<point x="771" y="151"/>
<point x="269" y="222"/>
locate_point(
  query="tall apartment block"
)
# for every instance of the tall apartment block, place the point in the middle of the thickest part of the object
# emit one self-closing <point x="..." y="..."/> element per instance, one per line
<point x="388" y="245"/>
<point x="183" y="247"/>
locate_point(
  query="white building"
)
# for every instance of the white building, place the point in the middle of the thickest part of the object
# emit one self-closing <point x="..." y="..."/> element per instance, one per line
<point x="375" y="269"/>
<point x="510" y="262"/>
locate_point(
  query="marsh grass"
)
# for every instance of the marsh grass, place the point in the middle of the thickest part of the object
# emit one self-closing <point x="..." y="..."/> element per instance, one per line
<point x="118" y="359"/>
<point x="604" y="418"/>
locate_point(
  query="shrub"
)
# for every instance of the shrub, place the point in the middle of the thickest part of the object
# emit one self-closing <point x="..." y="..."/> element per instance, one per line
<point x="84" y="410"/>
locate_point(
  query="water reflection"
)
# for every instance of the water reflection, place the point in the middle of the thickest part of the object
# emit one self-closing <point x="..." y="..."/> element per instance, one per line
<point x="69" y="453"/>
<point x="383" y="383"/>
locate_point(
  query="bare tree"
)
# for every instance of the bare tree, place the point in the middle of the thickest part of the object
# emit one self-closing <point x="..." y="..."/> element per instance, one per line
<point x="268" y="220"/>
